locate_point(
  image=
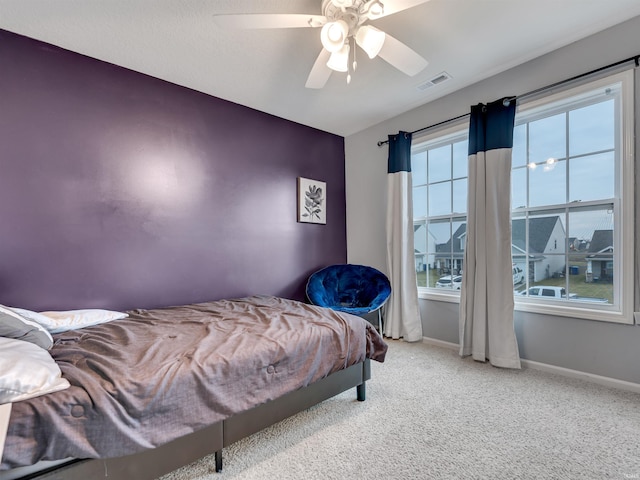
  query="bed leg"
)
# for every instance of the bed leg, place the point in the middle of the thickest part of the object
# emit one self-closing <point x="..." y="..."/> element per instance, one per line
<point x="218" y="460"/>
<point x="362" y="392"/>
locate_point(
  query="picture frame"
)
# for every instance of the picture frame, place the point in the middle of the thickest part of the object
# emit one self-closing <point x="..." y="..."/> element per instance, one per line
<point x="312" y="201"/>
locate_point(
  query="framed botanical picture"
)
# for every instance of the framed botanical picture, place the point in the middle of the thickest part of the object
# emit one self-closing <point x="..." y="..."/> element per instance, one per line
<point x="312" y="201"/>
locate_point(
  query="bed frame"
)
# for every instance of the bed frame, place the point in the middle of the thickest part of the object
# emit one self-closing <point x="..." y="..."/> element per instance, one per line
<point x="151" y="464"/>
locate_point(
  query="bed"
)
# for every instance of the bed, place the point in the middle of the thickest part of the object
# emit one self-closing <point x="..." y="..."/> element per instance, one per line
<point x="163" y="387"/>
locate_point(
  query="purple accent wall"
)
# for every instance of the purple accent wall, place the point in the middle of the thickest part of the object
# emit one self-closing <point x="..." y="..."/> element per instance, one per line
<point x="119" y="190"/>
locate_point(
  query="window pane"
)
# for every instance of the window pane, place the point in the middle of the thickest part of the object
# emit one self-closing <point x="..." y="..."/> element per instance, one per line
<point x="591" y="246"/>
<point x="459" y="229"/>
<point x="590" y="281"/>
<point x="518" y="188"/>
<point x="419" y="168"/>
<point x="440" y="164"/>
<point x="460" y="159"/>
<point x="419" y="202"/>
<point x="584" y="222"/>
<point x="518" y="245"/>
<point x="439" y="249"/>
<point x="592" y="128"/>
<point x="519" y="152"/>
<point x="547" y="184"/>
<point x="460" y="196"/>
<point x="440" y="199"/>
<point x="420" y="247"/>
<point x="547" y="240"/>
<point x="547" y="138"/>
<point x="447" y="237"/>
<point x="592" y="177"/>
<point x="439" y="236"/>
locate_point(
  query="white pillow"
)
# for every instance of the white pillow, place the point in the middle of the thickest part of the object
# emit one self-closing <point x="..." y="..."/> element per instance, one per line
<point x="27" y="371"/>
<point x="22" y="327"/>
<point x="57" y="322"/>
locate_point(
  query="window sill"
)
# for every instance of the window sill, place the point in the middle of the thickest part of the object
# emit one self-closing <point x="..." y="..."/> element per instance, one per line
<point x="584" y="311"/>
<point x="439" y="295"/>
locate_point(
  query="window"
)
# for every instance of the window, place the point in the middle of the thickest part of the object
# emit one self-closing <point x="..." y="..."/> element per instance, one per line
<point x="572" y="199"/>
<point x="439" y="174"/>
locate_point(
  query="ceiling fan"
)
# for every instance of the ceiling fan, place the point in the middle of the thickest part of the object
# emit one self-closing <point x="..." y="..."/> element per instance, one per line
<point x="343" y="25"/>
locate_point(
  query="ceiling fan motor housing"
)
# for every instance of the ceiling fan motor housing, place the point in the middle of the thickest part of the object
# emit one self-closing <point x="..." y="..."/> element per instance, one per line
<point x="352" y="12"/>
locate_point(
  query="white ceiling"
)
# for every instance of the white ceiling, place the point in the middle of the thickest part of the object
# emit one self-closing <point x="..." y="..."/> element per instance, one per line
<point x="176" y="40"/>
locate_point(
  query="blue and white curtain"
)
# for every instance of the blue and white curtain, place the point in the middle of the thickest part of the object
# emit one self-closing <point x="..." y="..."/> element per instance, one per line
<point x="402" y="311"/>
<point x="486" y="302"/>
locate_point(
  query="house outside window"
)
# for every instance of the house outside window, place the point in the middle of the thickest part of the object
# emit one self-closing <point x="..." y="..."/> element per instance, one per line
<point x="572" y="204"/>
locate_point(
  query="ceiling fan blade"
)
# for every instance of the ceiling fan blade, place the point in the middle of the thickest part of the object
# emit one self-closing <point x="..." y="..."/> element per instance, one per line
<point x="320" y="73"/>
<point x="402" y="57"/>
<point x="269" y="20"/>
<point x="395" y="6"/>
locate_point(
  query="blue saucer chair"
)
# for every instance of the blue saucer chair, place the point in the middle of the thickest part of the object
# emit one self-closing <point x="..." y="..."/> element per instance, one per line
<point x="355" y="289"/>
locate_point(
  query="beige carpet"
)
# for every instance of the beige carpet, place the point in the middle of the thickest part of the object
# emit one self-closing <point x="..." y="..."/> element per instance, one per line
<point x="431" y="415"/>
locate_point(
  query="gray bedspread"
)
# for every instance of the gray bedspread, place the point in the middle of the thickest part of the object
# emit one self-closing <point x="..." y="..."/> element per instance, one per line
<point x="160" y="374"/>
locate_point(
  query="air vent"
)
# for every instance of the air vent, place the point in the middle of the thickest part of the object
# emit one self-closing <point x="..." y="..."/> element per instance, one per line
<point x="440" y="78"/>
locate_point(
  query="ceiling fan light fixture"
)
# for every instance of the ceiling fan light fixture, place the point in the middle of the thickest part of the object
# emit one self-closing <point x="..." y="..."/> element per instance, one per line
<point x="374" y="9"/>
<point x="370" y="40"/>
<point x="339" y="61"/>
<point x="333" y="35"/>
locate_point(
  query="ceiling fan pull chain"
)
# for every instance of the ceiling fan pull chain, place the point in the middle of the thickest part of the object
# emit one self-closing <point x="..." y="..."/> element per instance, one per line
<point x="354" y="64"/>
<point x="353" y="47"/>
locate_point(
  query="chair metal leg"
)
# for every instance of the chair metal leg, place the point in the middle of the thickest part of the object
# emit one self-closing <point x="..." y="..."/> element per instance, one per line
<point x="380" y="321"/>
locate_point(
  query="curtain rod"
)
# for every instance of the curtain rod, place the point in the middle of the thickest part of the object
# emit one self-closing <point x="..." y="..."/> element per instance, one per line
<point x="635" y="59"/>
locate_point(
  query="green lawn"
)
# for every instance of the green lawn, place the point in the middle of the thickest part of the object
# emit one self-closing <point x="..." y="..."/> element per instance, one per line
<point x="422" y="278"/>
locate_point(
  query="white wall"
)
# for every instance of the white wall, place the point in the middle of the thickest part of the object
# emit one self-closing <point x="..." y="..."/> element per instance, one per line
<point x="595" y="347"/>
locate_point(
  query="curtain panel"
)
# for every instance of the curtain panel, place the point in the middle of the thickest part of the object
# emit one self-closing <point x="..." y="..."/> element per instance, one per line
<point x="402" y="311"/>
<point x="486" y="301"/>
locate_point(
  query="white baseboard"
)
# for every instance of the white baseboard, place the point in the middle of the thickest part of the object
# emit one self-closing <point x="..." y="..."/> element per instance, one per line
<point x="589" y="377"/>
<point x="545" y="367"/>
<point x="440" y="343"/>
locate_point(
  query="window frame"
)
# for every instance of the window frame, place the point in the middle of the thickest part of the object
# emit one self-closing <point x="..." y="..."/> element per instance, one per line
<point x="621" y="311"/>
<point x="449" y="134"/>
